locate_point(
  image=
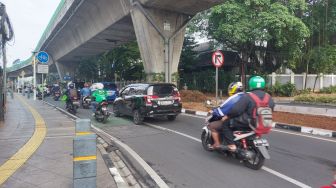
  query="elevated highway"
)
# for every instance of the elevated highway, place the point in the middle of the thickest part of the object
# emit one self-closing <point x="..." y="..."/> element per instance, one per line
<point x="82" y="28"/>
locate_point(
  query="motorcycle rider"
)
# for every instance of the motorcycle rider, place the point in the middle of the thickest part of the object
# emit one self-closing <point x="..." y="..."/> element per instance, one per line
<point x="242" y="112"/>
<point x="98" y="96"/>
<point x="84" y="92"/>
<point x="71" y="93"/>
<point x="235" y="91"/>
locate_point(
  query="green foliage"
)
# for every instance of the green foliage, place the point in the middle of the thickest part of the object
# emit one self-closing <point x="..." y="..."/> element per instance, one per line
<point x="205" y="80"/>
<point x="240" y="24"/>
<point x="124" y="61"/>
<point x="285" y="90"/>
<point x="329" y="90"/>
<point x="188" y="55"/>
<point x="316" y="99"/>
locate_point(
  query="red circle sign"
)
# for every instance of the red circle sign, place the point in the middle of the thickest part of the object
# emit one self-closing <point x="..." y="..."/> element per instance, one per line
<point x="217" y="59"/>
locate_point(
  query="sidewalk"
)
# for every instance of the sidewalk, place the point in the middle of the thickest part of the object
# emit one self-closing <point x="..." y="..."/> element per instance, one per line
<point x="51" y="164"/>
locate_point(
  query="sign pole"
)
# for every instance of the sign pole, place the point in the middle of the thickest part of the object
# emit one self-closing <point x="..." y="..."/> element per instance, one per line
<point x="34" y="77"/>
<point x="42" y="88"/>
<point x="216" y="86"/>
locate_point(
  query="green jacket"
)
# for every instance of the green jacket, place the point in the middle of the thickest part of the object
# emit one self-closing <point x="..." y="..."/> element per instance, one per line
<point x="100" y="95"/>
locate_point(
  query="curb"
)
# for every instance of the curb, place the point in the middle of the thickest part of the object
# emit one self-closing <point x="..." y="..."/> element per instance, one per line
<point x="296" y="128"/>
<point x="150" y="177"/>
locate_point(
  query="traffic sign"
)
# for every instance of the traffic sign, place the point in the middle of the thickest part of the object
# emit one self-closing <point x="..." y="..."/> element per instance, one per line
<point x="43" y="69"/>
<point x="43" y="57"/>
<point x="217" y="59"/>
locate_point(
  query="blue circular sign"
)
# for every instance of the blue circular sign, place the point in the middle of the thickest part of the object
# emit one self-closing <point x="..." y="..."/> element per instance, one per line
<point x="43" y="57"/>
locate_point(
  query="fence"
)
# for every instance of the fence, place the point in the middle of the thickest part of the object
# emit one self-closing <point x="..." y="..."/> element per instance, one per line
<point x="300" y="80"/>
<point x="205" y="83"/>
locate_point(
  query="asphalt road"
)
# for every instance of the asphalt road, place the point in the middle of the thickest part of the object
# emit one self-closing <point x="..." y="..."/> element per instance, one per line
<point x="295" y="161"/>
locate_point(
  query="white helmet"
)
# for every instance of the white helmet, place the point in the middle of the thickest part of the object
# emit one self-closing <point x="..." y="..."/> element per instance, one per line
<point x="96" y="86"/>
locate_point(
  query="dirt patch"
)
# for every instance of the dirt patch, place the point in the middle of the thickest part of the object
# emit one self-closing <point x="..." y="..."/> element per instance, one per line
<point x="192" y="96"/>
<point x="283" y="117"/>
<point x="306" y="120"/>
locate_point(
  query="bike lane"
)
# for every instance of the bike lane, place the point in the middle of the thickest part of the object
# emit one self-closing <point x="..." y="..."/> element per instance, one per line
<point x="45" y="165"/>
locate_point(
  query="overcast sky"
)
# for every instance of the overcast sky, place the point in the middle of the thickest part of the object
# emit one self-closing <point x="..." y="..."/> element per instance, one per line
<point x="29" y="19"/>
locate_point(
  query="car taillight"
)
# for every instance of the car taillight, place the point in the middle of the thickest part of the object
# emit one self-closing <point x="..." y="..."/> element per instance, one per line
<point x="177" y="96"/>
<point x="149" y="98"/>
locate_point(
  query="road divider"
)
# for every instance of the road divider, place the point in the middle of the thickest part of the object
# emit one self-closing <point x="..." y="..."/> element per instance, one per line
<point x="84" y="155"/>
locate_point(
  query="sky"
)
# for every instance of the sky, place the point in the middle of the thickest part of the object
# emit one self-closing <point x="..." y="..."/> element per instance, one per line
<point x="29" y="18"/>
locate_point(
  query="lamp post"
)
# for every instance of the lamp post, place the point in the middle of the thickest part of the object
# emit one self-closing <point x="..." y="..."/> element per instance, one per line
<point x="34" y="74"/>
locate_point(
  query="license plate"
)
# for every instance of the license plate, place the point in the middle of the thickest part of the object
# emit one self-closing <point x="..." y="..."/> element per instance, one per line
<point x="165" y="102"/>
<point x="260" y="142"/>
<point x="110" y="93"/>
<point x="104" y="108"/>
<point x="76" y="103"/>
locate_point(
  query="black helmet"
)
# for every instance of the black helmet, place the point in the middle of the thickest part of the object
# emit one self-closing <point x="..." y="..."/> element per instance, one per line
<point x="71" y="86"/>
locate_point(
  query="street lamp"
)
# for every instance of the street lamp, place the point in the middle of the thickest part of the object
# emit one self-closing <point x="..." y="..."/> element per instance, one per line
<point x="34" y="73"/>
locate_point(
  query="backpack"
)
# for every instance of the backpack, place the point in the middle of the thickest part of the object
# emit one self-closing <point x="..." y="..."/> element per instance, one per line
<point x="261" y="114"/>
<point x="73" y="93"/>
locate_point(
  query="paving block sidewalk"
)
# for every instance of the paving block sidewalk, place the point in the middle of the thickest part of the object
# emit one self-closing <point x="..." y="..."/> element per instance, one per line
<point x="51" y="164"/>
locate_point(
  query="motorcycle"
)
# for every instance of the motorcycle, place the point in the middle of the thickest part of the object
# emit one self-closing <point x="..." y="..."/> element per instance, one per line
<point x="102" y="112"/>
<point x="57" y="95"/>
<point x="73" y="105"/>
<point x="252" y="149"/>
<point x="86" y="102"/>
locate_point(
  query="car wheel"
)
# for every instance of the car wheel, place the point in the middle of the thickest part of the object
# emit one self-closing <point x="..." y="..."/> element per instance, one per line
<point x="137" y="117"/>
<point x="116" y="111"/>
<point x="171" y="117"/>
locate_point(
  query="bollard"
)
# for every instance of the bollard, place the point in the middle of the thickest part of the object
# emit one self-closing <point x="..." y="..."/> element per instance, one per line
<point x="84" y="155"/>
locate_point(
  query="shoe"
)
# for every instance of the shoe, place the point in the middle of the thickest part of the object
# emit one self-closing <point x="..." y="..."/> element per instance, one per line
<point x="93" y="114"/>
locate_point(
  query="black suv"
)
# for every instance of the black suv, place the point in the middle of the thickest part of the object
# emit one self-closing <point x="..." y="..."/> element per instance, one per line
<point x="148" y="100"/>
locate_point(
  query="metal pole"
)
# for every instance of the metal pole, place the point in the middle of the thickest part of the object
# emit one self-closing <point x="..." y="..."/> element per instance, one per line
<point x="34" y="75"/>
<point x="4" y="71"/>
<point x="216" y="86"/>
<point x="42" y="87"/>
<point x="166" y="50"/>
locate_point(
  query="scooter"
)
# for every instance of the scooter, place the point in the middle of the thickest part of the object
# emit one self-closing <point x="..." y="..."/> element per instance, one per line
<point x="86" y="102"/>
<point x="73" y="105"/>
<point x="57" y="95"/>
<point x="252" y="149"/>
<point x="102" y="112"/>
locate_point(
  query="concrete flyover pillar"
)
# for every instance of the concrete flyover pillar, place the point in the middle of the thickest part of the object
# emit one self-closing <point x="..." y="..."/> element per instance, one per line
<point x="160" y="36"/>
<point x="65" y="69"/>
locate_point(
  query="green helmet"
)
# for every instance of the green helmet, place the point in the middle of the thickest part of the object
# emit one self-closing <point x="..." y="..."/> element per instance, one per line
<point x="256" y="82"/>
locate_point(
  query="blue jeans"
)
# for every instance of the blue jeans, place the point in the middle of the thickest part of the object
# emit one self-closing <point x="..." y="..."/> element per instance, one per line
<point x="94" y="105"/>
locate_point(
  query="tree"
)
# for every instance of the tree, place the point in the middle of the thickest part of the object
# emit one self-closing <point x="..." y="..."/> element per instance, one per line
<point x="242" y="24"/>
<point x="87" y="69"/>
<point x="188" y="55"/>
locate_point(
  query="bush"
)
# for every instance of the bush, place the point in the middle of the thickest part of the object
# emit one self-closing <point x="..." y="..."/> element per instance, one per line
<point x="329" y="90"/>
<point x="285" y="90"/>
<point x="330" y="99"/>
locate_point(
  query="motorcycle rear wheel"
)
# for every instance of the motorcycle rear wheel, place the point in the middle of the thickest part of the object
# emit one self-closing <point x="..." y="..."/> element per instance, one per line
<point x="206" y="141"/>
<point x="256" y="163"/>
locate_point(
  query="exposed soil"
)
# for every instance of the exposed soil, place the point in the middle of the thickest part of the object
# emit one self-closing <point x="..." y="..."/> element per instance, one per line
<point x="195" y="100"/>
<point x="283" y="117"/>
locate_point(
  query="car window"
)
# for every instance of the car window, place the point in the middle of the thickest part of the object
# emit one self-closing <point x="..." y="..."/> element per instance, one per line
<point x="110" y="86"/>
<point x="124" y="92"/>
<point x="161" y="90"/>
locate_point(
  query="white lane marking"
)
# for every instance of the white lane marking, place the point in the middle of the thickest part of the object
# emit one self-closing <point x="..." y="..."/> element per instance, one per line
<point x="291" y="180"/>
<point x="143" y="163"/>
<point x="277" y="130"/>
<point x="308" y="136"/>
<point x="285" y="177"/>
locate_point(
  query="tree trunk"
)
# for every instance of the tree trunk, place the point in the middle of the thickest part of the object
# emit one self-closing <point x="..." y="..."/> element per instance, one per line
<point x="318" y="75"/>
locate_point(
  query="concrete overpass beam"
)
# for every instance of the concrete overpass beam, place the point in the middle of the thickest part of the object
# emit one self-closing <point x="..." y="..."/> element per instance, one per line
<point x="65" y="69"/>
<point x="160" y="36"/>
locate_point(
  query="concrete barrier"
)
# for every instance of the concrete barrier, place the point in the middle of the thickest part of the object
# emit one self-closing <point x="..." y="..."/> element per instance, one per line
<point x="84" y="155"/>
